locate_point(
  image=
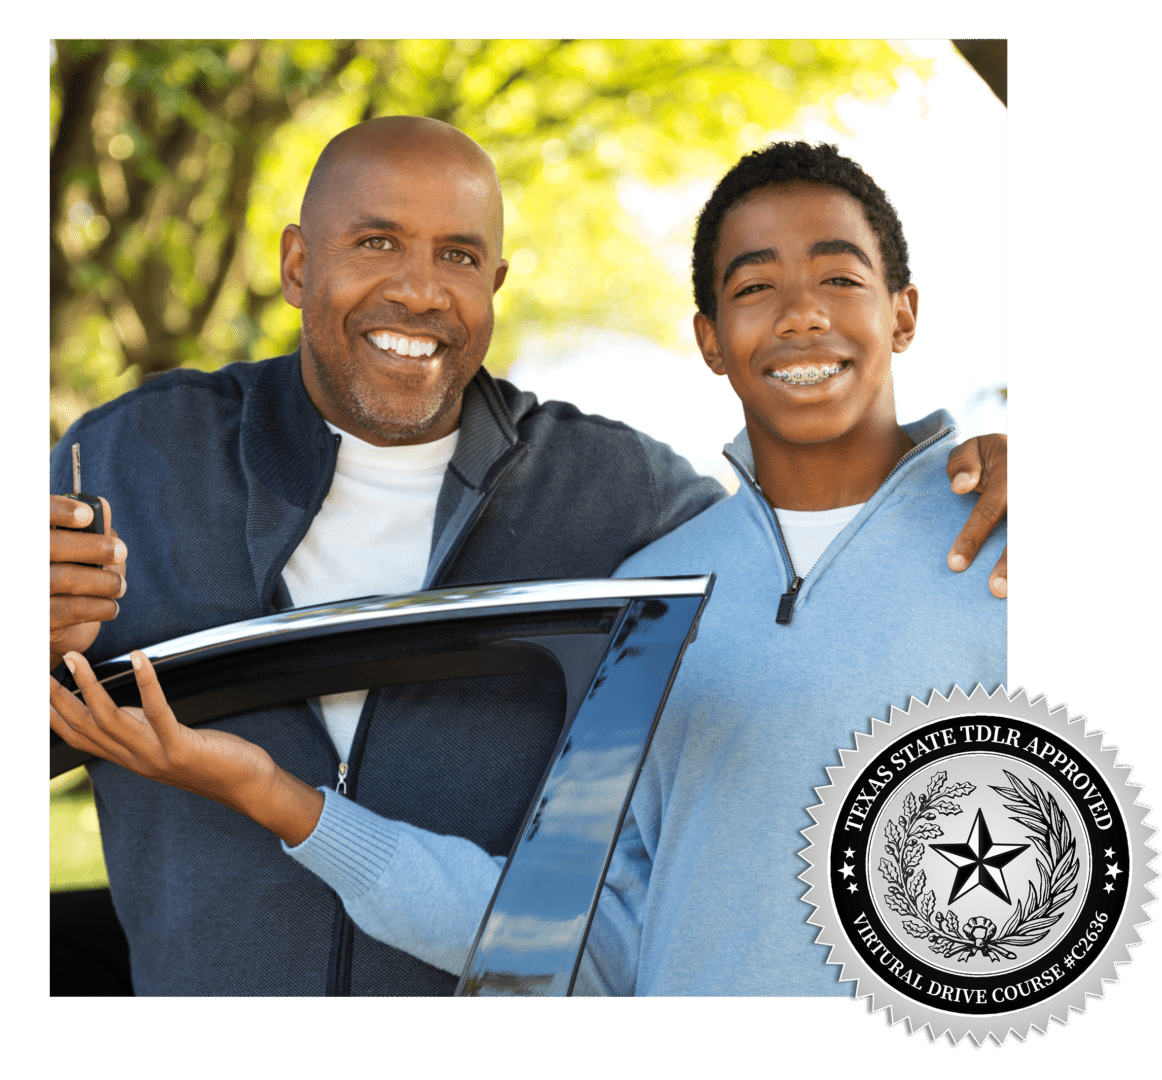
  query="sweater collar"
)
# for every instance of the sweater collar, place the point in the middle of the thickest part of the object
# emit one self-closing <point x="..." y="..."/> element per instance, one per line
<point x="487" y="428"/>
<point x="934" y="427"/>
<point x="285" y="439"/>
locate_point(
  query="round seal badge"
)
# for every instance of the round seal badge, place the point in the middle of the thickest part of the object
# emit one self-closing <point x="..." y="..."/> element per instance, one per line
<point x="978" y="865"/>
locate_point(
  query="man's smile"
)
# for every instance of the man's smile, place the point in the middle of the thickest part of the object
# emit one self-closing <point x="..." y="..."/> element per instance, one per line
<point x="403" y="346"/>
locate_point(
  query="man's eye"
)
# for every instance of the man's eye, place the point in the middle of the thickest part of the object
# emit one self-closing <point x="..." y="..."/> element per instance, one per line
<point x="461" y="258"/>
<point x="377" y="243"/>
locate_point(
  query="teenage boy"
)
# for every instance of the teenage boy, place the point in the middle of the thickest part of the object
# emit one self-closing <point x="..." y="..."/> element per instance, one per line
<point x="828" y="608"/>
<point x="802" y="286"/>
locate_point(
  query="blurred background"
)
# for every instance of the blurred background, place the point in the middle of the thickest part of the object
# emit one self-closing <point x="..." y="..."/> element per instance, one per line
<point x="175" y="165"/>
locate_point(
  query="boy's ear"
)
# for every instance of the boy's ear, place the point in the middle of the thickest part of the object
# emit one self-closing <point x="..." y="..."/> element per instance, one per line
<point x="707" y="338"/>
<point x="907" y="306"/>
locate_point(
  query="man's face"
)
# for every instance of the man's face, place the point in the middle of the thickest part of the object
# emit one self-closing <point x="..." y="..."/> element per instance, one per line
<point x="394" y="268"/>
<point x="806" y="325"/>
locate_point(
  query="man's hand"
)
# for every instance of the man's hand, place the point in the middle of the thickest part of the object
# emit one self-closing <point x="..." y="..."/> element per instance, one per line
<point x="981" y="464"/>
<point x="86" y="576"/>
<point x="150" y="742"/>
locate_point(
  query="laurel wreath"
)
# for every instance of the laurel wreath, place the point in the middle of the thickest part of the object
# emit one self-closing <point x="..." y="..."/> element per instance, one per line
<point x="1030" y="921"/>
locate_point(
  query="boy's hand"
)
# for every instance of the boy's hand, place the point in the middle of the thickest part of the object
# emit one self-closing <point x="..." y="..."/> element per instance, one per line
<point x="981" y="464"/>
<point x="150" y="742"/>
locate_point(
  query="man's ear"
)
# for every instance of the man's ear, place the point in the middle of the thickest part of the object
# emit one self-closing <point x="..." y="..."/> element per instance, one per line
<point x="907" y="307"/>
<point x="501" y="274"/>
<point x="707" y="337"/>
<point x="292" y="262"/>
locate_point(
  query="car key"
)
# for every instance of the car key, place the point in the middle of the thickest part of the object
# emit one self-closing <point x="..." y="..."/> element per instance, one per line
<point x="98" y="523"/>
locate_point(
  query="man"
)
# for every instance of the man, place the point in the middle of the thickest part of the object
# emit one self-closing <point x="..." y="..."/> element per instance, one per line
<point x="233" y="492"/>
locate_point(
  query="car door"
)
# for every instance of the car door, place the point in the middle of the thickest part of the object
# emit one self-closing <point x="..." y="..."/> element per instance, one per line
<point x="614" y="646"/>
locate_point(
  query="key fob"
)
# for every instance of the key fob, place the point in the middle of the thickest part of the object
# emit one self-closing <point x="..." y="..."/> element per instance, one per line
<point x="97" y="525"/>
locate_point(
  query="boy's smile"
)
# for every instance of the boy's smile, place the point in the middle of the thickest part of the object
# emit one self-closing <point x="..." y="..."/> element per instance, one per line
<point x="805" y="330"/>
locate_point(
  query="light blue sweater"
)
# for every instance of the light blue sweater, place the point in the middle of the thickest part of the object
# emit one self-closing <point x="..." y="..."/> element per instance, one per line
<point x="702" y="895"/>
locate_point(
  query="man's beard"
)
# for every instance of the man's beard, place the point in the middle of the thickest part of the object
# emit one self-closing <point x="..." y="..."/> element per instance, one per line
<point x="395" y="418"/>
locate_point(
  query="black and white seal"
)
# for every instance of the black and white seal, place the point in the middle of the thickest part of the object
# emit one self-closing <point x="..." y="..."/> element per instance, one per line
<point x="978" y="865"/>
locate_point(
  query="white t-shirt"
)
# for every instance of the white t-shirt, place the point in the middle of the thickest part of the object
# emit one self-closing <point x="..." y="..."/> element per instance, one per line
<point x="372" y="535"/>
<point x="808" y="532"/>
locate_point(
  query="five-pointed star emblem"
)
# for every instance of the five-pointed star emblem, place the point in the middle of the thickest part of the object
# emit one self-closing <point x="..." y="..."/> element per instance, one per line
<point x="979" y="861"/>
<point x="1112" y="870"/>
<point x="847" y="870"/>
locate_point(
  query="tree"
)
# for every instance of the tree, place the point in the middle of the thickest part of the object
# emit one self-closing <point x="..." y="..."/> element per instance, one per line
<point x="175" y="165"/>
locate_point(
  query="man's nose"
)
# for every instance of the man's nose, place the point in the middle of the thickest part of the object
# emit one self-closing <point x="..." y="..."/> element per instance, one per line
<point x="802" y="312"/>
<point x="415" y="283"/>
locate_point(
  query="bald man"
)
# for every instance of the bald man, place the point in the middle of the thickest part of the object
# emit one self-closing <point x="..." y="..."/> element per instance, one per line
<point x="380" y="458"/>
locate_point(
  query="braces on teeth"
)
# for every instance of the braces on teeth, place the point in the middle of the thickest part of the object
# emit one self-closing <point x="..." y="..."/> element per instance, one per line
<point x="801" y="376"/>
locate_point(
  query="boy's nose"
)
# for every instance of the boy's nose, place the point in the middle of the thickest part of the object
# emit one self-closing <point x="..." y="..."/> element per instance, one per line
<point x="801" y="313"/>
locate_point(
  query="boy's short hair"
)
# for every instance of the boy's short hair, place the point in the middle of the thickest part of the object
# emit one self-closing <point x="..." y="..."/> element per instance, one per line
<point x="784" y="163"/>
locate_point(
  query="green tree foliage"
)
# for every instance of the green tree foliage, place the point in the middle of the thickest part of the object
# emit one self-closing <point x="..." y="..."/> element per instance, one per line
<point x="175" y="165"/>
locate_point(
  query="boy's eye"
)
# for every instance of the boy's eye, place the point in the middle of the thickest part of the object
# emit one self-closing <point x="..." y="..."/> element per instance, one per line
<point x="840" y="279"/>
<point x="461" y="258"/>
<point x="758" y="286"/>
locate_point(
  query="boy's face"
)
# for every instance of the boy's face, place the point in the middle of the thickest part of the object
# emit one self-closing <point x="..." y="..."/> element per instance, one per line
<point x="806" y="324"/>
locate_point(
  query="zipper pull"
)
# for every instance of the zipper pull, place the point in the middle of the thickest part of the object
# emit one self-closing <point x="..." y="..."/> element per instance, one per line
<point x="787" y="601"/>
<point x="341" y="786"/>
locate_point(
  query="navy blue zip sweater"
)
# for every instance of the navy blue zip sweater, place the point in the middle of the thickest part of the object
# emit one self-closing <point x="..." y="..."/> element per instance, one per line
<point x="213" y="479"/>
